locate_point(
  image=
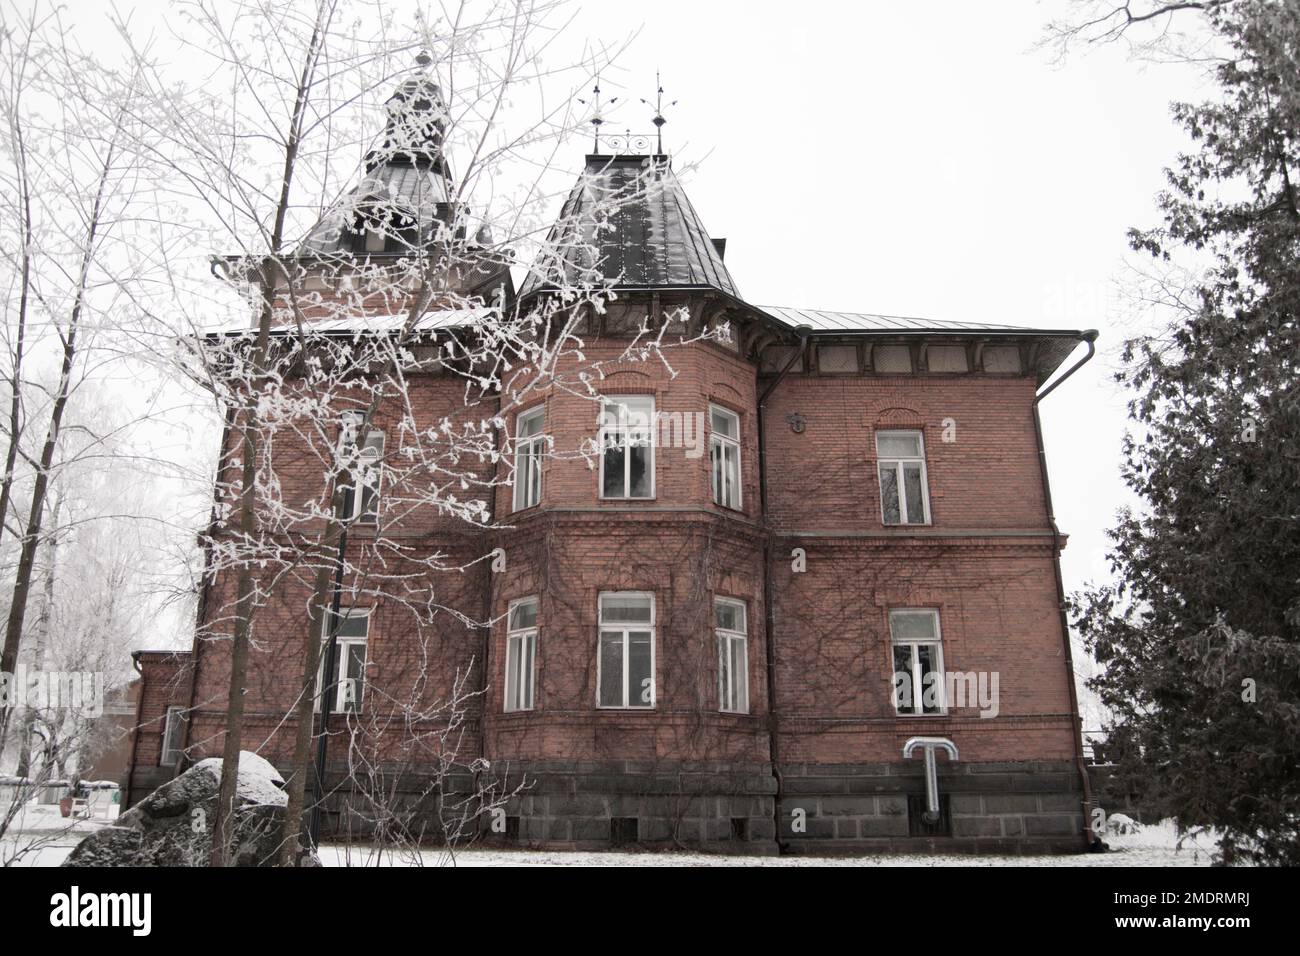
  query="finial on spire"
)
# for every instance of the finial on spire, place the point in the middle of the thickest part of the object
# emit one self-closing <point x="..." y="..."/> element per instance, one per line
<point x="423" y="59"/>
<point x="596" y="119"/>
<point x="659" y="119"/>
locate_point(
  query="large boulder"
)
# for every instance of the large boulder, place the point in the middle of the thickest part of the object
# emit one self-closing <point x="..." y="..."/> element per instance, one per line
<point x="173" y="825"/>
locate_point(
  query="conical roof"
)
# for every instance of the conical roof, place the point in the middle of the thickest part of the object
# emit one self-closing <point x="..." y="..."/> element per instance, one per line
<point x="629" y="220"/>
<point x="403" y="192"/>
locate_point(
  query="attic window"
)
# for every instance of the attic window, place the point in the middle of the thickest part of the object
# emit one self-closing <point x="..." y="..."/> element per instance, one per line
<point x="375" y="240"/>
<point x="946" y="358"/>
<point x="777" y="358"/>
<point x="837" y="358"/>
<point x="892" y="358"/>
<point x="1002" y="358"/>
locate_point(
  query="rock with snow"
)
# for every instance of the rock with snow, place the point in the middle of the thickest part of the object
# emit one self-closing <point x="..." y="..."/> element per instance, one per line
<point x="172" y="826"/>
<point x="1122" y="825"/>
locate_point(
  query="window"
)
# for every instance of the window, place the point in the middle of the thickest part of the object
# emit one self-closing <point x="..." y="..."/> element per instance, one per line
<point x="521" y="653"/>
<point x="891" y="358"/>
<point x="900" y="460"/>
<point x="625" y="668"/>
<point x="946" y="358"/>
<point x="918" y="662"/>
<point x="724" y="452"/>
<point x="529" y="445"/>
<point x="832" y="359"/>
<point x="1002" y="359"/>
<point x="173" y="730"/>
<point x="627" y="460"/>
<point x="733" y="656"/>
<point x="348" y="680"/>
<point x="363" y="463"/>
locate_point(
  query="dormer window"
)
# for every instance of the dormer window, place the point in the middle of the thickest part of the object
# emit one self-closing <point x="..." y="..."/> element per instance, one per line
<point x="375" y="240"/>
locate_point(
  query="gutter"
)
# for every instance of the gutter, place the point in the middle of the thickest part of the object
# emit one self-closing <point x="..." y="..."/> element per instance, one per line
<point x="135" y="735"/>
<point x="769" y="612"/>
<point x="1092" y="840"/>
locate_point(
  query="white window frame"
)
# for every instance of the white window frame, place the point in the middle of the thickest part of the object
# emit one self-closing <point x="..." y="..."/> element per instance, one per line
<point x="621" y="428"/>
<point x="625" y="628"/>
<point x="340" y="648"/>
<point x="173" y="724"/>
<point x="728" y="684"/>
<point x="518" y="640"/>
<point x="897" y="465"/>
<point x="721" y="445"/>
<point x="528" y="460"/>
<point x="356" y="449"/>
<point x="918" y="690"/>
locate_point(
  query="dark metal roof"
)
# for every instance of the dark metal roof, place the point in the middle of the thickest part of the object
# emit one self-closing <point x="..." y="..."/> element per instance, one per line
<point x="409" y="193"/>
<point x="824" y="322"/>
<point x="628" y="219"/>
<point x="403" y="192"/>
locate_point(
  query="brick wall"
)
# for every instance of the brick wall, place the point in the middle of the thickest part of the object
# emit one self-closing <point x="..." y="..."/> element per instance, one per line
<point x="984" y="562"/>
<point x="164" y="682"/>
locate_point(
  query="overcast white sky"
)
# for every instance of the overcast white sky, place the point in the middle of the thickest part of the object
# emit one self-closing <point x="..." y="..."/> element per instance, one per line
<point x="922" y="160"/>
<point x="912" y="159"/>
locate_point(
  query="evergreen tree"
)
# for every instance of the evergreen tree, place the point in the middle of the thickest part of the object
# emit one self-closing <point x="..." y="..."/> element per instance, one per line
<point x="1200" y="633"/>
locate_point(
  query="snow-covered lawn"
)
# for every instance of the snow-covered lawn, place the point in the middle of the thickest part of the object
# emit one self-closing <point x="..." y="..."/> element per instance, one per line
<point x="1154" y="845"/>
<point x="45" y="836"/>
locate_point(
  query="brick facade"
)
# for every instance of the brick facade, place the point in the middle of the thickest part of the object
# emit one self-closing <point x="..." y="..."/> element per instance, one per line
<point x="684" y="770"/>
<point x="815" y="761"/>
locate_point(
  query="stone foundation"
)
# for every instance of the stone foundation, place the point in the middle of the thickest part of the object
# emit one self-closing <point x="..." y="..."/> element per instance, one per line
<point x="1030" y="807"/>
<point x="1021" y="807"/>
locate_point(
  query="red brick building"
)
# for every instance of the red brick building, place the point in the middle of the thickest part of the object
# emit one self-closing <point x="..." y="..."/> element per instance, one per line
<point x="839" y="539"/>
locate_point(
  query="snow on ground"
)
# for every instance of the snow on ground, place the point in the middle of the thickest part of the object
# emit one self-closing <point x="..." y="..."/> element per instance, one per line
<point x="42" y="836"/>
<point x="1155" y="845"/>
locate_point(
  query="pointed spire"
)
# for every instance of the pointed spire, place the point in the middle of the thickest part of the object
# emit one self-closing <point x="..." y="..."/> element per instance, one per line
<point x="597" y="119"/>
<point x="417" y="120"/>
<point x="659" y="119"/>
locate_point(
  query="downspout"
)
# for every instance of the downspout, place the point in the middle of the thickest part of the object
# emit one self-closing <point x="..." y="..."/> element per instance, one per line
<point x="769" y="612"/>
<point x="1092" y="839"/>
<point x="331" y="656"/>
<point x="135" y="734"/>
<point x="205" y="589"/>
<point x="489" y="602"/>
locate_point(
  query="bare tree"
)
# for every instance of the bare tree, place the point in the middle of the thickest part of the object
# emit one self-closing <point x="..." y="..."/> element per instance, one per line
<point x="87" y="180"/>
<point x="1151" y="30"/>
<point x="355" y="299"/>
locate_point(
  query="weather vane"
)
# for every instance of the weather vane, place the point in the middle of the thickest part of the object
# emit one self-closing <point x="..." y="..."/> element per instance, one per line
<point x="596" y="119"/>
<point x="659" y="119"/>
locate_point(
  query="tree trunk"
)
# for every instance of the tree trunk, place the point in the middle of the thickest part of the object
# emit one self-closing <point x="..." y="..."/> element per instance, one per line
<point x="271" y="271"/>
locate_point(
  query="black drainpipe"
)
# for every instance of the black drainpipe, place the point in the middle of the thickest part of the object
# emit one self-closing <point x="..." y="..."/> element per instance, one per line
<point x="331" y="655"/>
<point x="769" y="635"/>
<point x="1090" y="838"/>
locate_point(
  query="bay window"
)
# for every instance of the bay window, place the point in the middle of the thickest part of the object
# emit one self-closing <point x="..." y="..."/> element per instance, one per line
<point x="521" y="653"/>
<point x="625" y="667"/>
<point x="733" y="656"/>
<point x="627" y="455"/>
<point x="530" y="444"/>
<point x="724" y="454"/>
